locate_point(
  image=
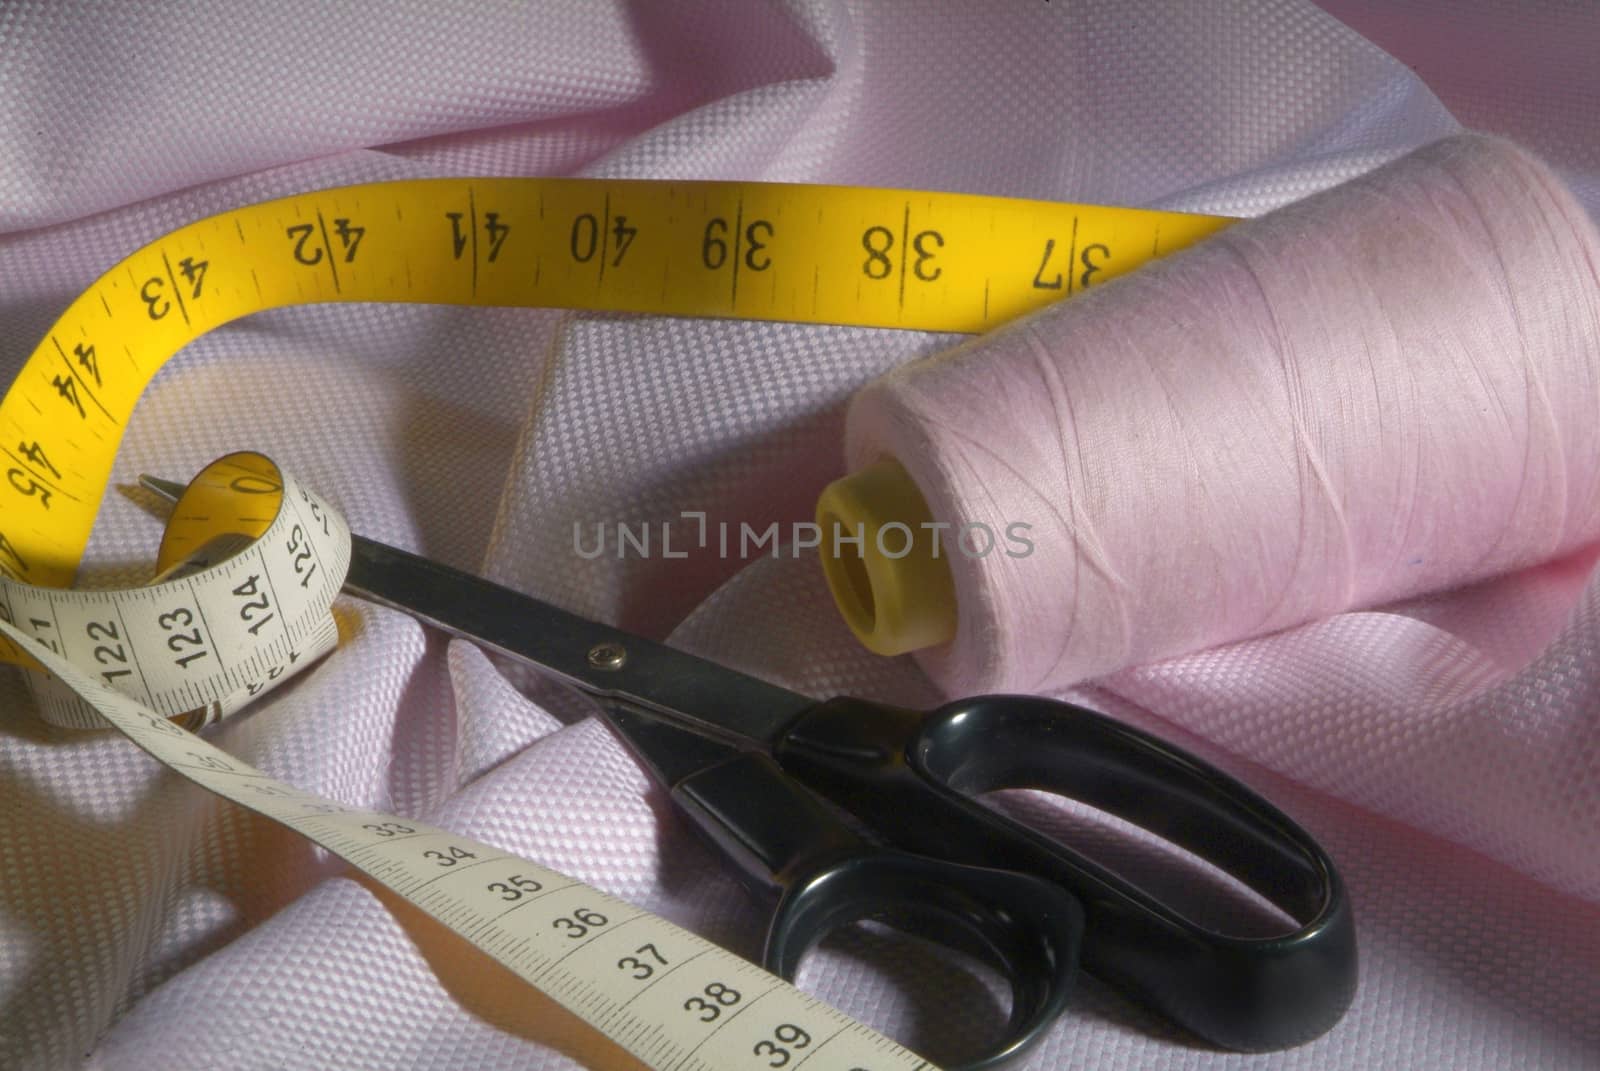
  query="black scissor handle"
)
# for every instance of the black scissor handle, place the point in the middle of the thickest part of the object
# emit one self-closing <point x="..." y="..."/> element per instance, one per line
<point x="785" y="840"/>
<point x="910" y="776"/>
<point x="1030" y="928"/>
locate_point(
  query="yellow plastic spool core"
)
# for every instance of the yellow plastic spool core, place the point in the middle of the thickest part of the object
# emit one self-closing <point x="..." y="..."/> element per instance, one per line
<point x="888" y="573"/>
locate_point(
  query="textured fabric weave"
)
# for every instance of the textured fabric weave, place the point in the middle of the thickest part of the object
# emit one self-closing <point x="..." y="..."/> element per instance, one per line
<point x="1447" y="752"/>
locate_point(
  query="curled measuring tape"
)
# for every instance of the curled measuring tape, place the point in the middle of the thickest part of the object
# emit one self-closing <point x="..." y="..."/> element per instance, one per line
<point x="249" y="565"/>
<point x="224" y="623"/>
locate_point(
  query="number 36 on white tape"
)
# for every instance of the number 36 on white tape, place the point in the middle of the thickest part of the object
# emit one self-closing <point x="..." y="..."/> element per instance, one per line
<point x="249" y="566"/>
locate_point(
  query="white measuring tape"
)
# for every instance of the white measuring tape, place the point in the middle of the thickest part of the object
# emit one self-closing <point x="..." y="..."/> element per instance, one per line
<point x="214" y="635"/>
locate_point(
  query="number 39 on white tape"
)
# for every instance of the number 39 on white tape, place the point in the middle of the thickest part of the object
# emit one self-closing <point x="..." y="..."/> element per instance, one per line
<point x="222" y="626"/>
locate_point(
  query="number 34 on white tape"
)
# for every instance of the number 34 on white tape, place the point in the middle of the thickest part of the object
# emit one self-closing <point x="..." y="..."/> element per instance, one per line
<point x="225" y="624"/>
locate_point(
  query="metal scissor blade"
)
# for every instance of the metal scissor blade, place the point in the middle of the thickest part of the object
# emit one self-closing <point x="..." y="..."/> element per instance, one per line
<point x="614" y="666"/>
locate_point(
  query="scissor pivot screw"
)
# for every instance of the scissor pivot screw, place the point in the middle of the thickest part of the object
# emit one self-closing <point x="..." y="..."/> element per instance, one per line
<point x="607" y="655"/>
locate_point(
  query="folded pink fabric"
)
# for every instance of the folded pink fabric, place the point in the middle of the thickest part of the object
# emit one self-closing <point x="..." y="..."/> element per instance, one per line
<point x="1447" y="751"/>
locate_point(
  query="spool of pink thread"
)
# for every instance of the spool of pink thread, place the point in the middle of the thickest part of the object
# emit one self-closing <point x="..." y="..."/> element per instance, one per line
<point x="1389" y="388"/>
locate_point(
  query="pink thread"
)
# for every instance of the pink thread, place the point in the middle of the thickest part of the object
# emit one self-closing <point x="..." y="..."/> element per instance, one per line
<point x="1390" y="388"/>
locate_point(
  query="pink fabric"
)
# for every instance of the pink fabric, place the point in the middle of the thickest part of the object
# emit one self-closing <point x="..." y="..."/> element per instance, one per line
<point x="1447" y="751"/>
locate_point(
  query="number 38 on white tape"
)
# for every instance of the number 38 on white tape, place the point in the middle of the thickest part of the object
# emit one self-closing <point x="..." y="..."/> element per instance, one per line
<point x="249" y="566"/>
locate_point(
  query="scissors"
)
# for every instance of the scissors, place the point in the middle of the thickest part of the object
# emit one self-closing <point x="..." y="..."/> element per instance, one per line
<point x="764" y="772"/>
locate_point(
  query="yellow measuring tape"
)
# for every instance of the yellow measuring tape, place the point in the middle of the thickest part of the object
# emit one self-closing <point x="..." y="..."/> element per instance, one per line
<point x="818" y="254"/>
<point x="231" y="622"/>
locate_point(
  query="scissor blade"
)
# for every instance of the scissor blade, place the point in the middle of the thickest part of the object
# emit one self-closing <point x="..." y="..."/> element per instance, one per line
<point x="671" y="753"/>
<point x="650" y="677"/>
